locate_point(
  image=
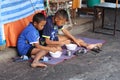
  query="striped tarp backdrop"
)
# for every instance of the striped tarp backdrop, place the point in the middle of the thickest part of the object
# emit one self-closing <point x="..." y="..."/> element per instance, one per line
<point x="11" y="10"/>
<point x="2" y="35"/>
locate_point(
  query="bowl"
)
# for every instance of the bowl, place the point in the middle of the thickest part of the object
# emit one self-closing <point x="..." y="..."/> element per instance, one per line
<point x="71" y="46"/>
<point x="56" y="54"/>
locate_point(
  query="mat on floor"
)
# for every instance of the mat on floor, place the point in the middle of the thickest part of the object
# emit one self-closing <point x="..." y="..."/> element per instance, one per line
<point x="54" y="61"/>
<point x="63" y="57"/>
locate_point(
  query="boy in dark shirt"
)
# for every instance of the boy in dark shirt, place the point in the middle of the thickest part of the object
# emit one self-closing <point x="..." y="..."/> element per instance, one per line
<point x="55" y="24"/>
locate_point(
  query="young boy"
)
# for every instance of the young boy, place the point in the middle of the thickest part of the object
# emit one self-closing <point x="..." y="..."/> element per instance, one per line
<point x="28" y="41"/>
<point x="52" y="27"/>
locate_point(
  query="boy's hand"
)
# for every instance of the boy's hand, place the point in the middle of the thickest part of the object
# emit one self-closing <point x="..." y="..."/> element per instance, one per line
<point x="65" y="42"/>
<point x="77" y="42"/>
<point x="59" y="48"/>
<point x="54" y="49"/>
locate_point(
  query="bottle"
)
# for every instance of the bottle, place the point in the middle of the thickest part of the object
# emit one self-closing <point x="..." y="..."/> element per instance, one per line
<point x="45" y="58"/>
<point x="69" y="53"/>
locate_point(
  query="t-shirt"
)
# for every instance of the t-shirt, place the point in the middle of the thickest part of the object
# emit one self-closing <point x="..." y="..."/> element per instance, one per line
<point x="41" y="39"/>
<point x="28" y="36"/>
<point x="51" y="30"/>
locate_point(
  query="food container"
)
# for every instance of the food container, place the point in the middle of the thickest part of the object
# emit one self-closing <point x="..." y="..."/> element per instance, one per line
<point x="71" y="46"/>
<point x="56" y="54"/>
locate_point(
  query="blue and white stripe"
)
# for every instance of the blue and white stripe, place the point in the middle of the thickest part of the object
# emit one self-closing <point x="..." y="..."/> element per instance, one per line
<point x="11" y="10"/>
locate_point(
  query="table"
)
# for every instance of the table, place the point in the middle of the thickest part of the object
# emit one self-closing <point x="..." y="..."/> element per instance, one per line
<point x="104" y="6"/>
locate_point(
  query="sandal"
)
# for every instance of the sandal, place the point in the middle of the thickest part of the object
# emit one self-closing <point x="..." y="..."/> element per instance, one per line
<point x="81" y="51"/>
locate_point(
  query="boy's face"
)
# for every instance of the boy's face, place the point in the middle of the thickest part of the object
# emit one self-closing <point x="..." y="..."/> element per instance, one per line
<point x="40" y="25"/>
<point x="60" y="21"/>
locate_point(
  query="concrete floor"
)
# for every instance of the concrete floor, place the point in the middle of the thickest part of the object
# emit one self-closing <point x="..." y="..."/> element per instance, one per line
<point x="103" y="66"/>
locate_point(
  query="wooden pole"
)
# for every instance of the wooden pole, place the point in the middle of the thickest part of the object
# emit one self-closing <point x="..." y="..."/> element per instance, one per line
<point x="116" y="3"/>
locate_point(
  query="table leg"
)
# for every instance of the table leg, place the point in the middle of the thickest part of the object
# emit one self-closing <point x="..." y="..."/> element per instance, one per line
<point x="103" y="17"/>
<point x="115" y="21"/>
<point x="94" y="19"/>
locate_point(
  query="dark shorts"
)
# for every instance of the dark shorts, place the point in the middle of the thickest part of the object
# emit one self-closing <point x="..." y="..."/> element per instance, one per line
<point x="29" y="51"/>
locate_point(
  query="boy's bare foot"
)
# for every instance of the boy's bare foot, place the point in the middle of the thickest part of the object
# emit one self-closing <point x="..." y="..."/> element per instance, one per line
<point x="38" y="64"/>
<point x="91" y="46"/>
<point x="99" y="45"/>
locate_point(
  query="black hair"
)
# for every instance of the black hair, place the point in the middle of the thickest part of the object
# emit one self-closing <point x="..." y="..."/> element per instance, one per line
<point x="38" y="17"/>
<point x="63" y="13"/>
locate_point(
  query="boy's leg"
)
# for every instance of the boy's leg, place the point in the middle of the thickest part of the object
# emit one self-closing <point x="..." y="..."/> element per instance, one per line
<point x="58" y="47"/>
<point x="89" y="46"/>
<point x="81" y="42"/>
<point x="64" y="39"/>
<point x="38" y="54"/>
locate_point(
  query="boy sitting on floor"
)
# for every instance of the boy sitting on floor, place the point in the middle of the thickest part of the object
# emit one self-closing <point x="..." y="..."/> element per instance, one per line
<point x="52" y="27"/>
<point x="28" y="41"/>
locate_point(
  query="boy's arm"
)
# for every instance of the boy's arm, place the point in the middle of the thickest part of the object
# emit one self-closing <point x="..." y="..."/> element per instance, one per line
<point x="42" y="47"/>
<point x="67" y="33"/>
<point x="50" y="42"/>
<point x="53" y="49"/>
